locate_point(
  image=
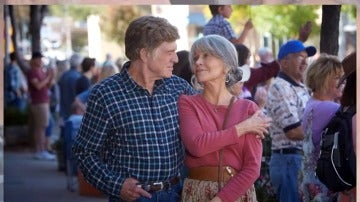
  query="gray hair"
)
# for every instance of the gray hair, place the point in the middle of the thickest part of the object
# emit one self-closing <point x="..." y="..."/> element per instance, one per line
<point x="75" y="60"/>
<point x="263" y="51"/>
<point x="221" y="48"/>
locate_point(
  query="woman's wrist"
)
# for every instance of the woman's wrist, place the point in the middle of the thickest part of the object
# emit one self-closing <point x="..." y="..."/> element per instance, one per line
<point x="241" y="128"/>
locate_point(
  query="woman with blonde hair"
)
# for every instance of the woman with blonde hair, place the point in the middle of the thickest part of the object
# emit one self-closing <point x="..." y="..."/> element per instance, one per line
<point x="322" y="78"/>
<point x="219" y="130"/>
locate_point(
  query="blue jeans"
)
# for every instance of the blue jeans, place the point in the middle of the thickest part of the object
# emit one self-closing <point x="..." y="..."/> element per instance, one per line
<point x="284" y="170"/>
<point x="49" y="128"/>
<point x="170" y="195"/>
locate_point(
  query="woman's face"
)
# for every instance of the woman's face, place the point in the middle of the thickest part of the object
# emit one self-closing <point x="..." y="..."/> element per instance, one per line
<point x="208" y="68"/>
<point x="332" y="85"/>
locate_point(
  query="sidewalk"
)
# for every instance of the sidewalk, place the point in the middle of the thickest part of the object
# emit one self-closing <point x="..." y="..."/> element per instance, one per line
<point x="30" y="180"/>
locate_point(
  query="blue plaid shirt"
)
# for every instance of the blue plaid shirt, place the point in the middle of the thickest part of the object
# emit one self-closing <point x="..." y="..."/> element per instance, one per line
<point x="220" y="26"/>
<point x="126" y="132"/>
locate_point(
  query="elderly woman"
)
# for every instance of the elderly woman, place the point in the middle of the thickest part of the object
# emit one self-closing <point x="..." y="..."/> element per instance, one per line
<point x="322" y="78"/>
<point x="223" y="161"/>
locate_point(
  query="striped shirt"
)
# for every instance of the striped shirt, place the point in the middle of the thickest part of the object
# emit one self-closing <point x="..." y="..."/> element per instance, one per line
<point x="285" y="105"/>
<point x="126" y="132"/>
<point x="218" y="25"/>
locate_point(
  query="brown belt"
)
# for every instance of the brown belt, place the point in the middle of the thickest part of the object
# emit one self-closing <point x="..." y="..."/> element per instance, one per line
<point x="160" y="186"/>
<point x="210" y="173"/>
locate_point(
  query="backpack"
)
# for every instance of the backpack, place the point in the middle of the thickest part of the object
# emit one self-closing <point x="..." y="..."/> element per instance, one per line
<point x="336" y="166"/>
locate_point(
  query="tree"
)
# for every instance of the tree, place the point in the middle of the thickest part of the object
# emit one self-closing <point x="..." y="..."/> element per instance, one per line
<point x="37" y="14"/>
<point x="19" y="56"/>
<point x="117" y="19"/>
<point x="76" y="12"/>
<point x="114" y="19"/>
<point x="282" y="21"/>
<point x="329" y="34"/>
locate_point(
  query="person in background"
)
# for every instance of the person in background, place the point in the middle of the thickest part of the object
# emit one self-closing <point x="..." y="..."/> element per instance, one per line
<point x="285" y="104"/>
<point x="76" y="115"/>
<point x="220" y="26"/>
<point x="128" y="145"/>
<point x="244" y="54"/>
<point x="119" y="63"/>
<point x="39" y="83"/>
<point x="67" y="85"/>
<point x="81" y="99"/>
<point x="88" y="67"/>
<point x="322" y="79"/>
<point x="348" y="99"/>
<point x="265" y="56"/>
<point x="214" y="61"/>
<point x="54" y="95"/>
<point x="15" y="88"/>
<point x="182" y="69"/>
<point x="257" y="75"/>
<point x="108" y="60"/>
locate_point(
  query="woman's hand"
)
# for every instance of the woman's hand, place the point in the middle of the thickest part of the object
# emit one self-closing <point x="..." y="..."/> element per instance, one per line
<point x="257" y="123"/>
<point x="260" y="96"/>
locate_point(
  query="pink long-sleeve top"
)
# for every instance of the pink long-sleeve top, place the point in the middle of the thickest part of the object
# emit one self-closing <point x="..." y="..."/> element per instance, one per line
<point x="201" y="133"/>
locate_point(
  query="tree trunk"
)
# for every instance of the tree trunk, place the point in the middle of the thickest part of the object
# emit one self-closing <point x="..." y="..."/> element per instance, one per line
<point x="19" y="56"/>
<point x="37" y="13"/>
<point x="329" y="35"/>
<point x="34" y="26"/>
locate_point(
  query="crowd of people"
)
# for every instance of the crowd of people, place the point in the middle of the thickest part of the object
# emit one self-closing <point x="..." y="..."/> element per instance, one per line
<point x="188" y="125"/>
<point x="49" y="97"/>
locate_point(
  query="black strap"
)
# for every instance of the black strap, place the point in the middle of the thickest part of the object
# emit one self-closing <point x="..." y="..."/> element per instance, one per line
<point x="349" y="110"/>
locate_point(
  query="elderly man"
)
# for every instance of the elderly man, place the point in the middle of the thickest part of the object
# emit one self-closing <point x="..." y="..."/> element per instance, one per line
<point x="285" y="104"/>
<point x="128" y="145"/>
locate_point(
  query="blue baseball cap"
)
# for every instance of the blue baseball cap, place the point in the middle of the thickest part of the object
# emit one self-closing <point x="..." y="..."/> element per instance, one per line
<point x="295" y="46"/>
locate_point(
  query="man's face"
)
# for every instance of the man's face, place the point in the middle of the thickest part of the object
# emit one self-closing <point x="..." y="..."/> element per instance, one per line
<point x="294" y="65"/>
<point x="37" y="62"/>
<point x="161" y="61"/>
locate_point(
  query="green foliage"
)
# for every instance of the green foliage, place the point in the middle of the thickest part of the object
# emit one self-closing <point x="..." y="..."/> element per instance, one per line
<point x="241" y="13"/>
<point x="279" y="20"/>
<point x="116" y="19"/>
<point x="350" y="9"/>
<point x="77" y="12"/>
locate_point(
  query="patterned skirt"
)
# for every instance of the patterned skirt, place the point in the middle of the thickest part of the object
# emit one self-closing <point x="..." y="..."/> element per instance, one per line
<point x="203" y="191"/>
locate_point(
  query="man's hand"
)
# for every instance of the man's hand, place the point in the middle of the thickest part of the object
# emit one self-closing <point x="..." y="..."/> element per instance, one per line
<point x="130" y="191"/>
<point x="305" y="31"/>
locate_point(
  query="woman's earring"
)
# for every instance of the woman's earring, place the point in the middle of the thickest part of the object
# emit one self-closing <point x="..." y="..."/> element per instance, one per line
<point x="227" y="78"/>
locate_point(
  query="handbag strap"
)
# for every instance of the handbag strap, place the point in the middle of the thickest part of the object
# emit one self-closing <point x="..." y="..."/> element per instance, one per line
<point x="220" y="173"/>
